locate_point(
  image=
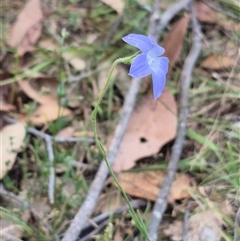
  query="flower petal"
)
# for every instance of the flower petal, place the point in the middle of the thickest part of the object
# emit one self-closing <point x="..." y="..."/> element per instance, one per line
<point x="160" y="64"/>
<point x="157" y="50"/>
<point x="139" y="41"/>
<point x="159" y="81"/>
<point x="139" y="67"/>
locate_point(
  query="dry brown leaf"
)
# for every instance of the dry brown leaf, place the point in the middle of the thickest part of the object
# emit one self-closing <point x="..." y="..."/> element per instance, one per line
<point x="147" y="184"/>
<point x="41" y="98"/>
<point x="205" y="13"/>
<point x="153" y="123"/>
<point x="27" y="28"/>
<point x="110" y="201"/>
<point x="66" y="132"/>
<point x="117" y="5"/>
<point x="47" y="113"/>
<point x="204" y="226"/>
<point x="48" y="44"/>
<point x="217" y="62"/>
<point x="12" y="137"/>
<point x="174" y="40"/>
<point x="74" y="60"/>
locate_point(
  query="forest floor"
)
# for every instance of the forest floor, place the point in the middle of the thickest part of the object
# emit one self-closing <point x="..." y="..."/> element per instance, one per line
<point x="55" y="58"/>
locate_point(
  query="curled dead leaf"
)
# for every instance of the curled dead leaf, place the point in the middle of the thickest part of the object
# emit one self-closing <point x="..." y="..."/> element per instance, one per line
<point x="47" y="113"/>
<point x="117" y="5"/>
<point x="147" y="185"/>
<point x="27" y="28"/>
<point x="152" y="124"/>
<point x="217" y="62"/>
<point x="173" y="42"/>
<point x="12" y="137"/>
<point x="36" y="95"/>
<point x="66" y="132"/>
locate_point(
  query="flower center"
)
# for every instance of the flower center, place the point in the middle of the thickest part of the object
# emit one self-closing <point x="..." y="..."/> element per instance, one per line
<point x="150" y="59"/>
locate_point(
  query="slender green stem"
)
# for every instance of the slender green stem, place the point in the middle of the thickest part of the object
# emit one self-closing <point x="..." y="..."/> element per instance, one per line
<point x="139" y="222"/>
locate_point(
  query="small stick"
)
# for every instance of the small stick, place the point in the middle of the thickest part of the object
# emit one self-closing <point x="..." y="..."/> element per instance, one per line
<point x="135" y="204"/>
<point x="98" y="229"/>
<point x="59" y="139"/>
<point x="161" y="202"/>
<point x="48" y="140"/>
<point x="237" y="226"/>
<point x="44" y="135"/>
<point x="51" y="179"/>
<point x="168" y="15"/>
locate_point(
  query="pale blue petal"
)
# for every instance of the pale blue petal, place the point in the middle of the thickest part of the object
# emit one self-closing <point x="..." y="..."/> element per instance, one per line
<point x="139" y="41"/>
<point x="156" y="50"/>
<point x="160" y="64"/>
<point x="159" y="81"/>
<point x="139" y="67"/>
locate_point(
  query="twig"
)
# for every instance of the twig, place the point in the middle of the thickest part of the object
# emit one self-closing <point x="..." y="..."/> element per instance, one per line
<point x="237" y="226"/>
<point x="88" y="205"/>
<point x="135" y="204"/>
<point x="48" y="140"/>
<point x="161" y="202"/>
<point x="55" y="139"/>
<point x="26" y="205"/>
<point x="155" y="20"/>
<point x="59" y="139"/>
<point x="98" y="229"/>
<point x="168" y="15"/>
<point x="51" y="180"/>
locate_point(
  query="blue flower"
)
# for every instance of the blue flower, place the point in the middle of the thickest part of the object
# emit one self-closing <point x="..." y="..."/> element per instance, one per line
<point x="149" y="61"/>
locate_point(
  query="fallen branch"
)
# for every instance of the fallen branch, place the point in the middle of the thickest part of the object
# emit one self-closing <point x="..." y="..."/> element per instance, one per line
<point x="161" y="202"/>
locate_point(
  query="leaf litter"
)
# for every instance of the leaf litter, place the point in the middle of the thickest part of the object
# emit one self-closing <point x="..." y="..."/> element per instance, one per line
<point x="27" y="28"/>
<point x="152" y="125"/>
